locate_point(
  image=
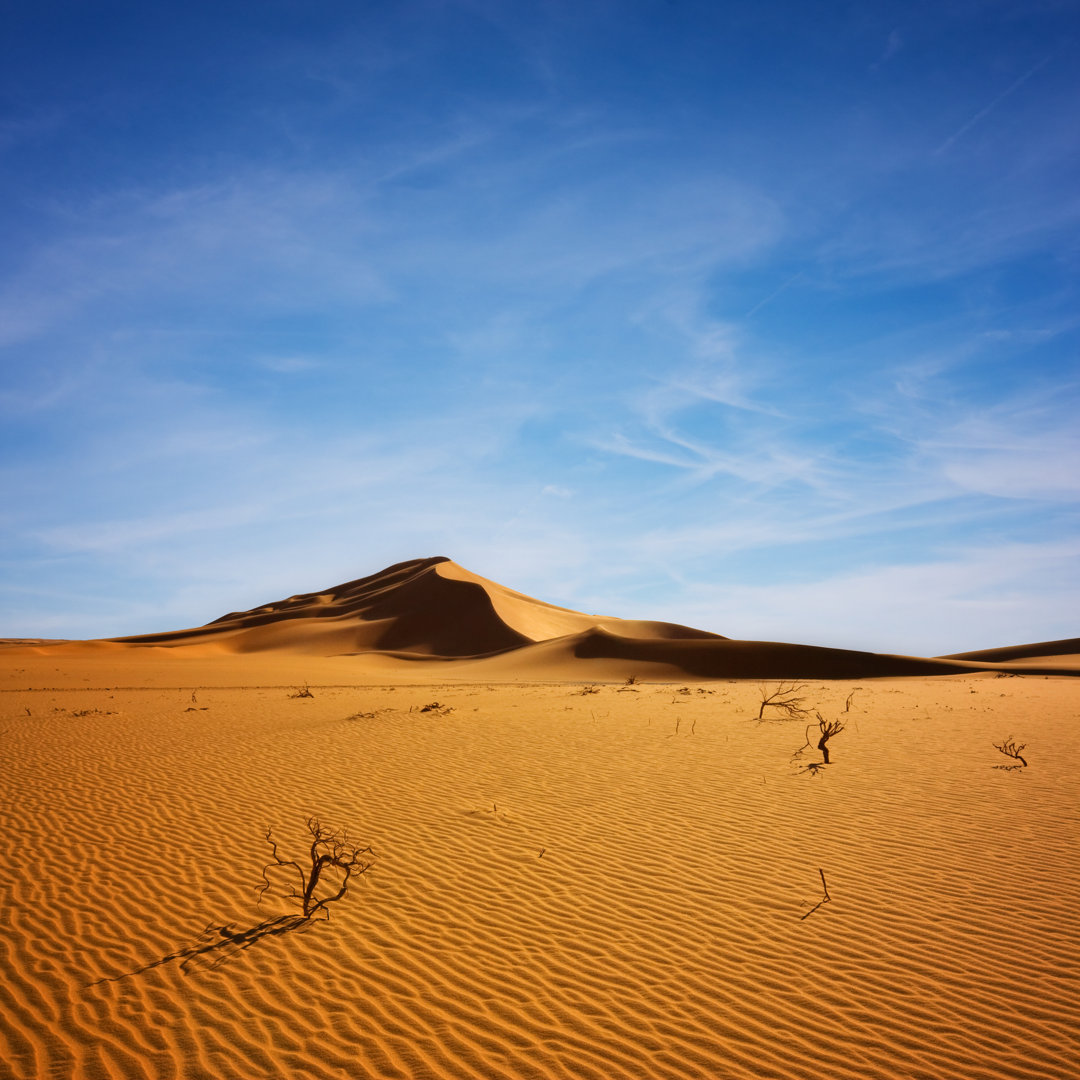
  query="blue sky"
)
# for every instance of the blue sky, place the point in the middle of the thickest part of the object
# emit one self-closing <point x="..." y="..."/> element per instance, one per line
<point x="761" y="317"/>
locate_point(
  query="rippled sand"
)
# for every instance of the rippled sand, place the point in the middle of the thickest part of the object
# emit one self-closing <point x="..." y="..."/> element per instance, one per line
<point x="619" y="883"/>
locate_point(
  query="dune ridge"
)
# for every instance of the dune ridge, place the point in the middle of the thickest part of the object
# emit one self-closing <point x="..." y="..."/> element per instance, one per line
<point x="1064" y="652"/>
<point x="434" y="610"/>
<point x="422" y="607"/>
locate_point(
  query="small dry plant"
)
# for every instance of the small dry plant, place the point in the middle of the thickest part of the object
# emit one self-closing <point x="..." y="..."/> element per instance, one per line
<point x="828" y="729"/>
<point x="304" y="691"/>
<point x="436" y="707"/>
<point x="332" y="853"/>
<point x="1009" y="748"/>
<point x="195" y="706"/>
<point x="784" y="698"/>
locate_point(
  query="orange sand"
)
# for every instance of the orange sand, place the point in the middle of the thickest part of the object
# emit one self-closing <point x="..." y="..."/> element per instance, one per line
<point x="611" y="884"/>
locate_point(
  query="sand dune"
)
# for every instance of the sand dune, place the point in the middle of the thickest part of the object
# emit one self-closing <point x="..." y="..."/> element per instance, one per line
<point x="434" y="610"/>
<point x="426" y="607"/>
<point x="576" y="878"/>
<point x="1064" y="653"/>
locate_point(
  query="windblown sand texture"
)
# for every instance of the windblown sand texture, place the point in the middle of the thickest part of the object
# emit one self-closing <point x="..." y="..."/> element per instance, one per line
<point x="575" y="877"/>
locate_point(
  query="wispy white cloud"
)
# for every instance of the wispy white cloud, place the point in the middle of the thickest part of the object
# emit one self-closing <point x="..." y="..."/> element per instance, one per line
<point x="30" y="125"/>
<point x="288" y="365"/>
<point x="1018" y="444"/>
<point x="893" y="44"/>
<point x="992" y="105"/>
<point x="972" y="598"/>
<point x="234" y="246"/>
<point x="766" y="300"/>
<point x="113" y="537"/>
<point x="766" y="466"/>
<point x="1013" y="454"/>
<point x="609" y="345"/>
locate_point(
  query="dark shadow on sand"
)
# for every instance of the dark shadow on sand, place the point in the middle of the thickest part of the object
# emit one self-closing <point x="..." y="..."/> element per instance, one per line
<point x="217" y="945"/>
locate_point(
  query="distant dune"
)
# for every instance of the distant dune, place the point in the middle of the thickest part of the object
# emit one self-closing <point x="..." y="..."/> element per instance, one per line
<point x="434" y="610"/>
<point x="1065" y="652"/>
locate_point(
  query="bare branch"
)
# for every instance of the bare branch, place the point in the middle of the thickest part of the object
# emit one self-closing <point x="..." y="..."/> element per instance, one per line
<point x="1010" y="749"/>
<point x="828" y="729"/>
<point x="330" y="850"/>
<point x="797" y="755"/>
<point x="785" y="699"/>
<point x="278" y="861"/>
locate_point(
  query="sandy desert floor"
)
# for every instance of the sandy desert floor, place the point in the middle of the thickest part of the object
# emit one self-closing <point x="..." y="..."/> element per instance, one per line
<point x="604" y="884"/>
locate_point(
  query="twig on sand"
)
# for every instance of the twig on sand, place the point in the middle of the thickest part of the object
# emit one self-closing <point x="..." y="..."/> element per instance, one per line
<point x="784" y="697"/>
<point x="1011" y="749"/>
<point x="824" y="900"/>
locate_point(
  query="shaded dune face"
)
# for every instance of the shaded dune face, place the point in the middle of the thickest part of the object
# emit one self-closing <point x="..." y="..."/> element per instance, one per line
<point x="428" y="613"/>
<point x="1065" y="647"/>
<point x="432" y="609"/>
<point x="754" y="659"/>
<point x="423" y="607"/>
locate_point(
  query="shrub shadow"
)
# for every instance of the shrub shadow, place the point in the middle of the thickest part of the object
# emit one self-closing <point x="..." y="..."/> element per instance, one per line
<point x="217" y="945"/>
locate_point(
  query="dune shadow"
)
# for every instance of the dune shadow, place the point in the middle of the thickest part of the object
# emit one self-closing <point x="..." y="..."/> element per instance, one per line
<point x="217" y="945"/>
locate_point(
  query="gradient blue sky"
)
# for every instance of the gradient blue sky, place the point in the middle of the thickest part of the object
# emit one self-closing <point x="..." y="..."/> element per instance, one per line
<point x="757" y="316"/>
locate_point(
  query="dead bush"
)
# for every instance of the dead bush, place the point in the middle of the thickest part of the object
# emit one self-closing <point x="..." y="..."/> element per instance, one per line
<point x="332" y="853"/>
<point x="1010" y="749"/>
<point x="784" y="698"/>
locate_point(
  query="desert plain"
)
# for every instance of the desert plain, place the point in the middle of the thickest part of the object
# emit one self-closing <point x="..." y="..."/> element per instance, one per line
<point x="590" y="853"/>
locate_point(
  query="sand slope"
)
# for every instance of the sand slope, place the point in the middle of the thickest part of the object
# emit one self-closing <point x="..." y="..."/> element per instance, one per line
<point x="1065" y="654"/>
<point x="425" y="607"/>
<point x="434" y="610"/>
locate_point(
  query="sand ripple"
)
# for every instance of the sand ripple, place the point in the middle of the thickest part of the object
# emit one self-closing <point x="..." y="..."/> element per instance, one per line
<point x="574" y="886"/>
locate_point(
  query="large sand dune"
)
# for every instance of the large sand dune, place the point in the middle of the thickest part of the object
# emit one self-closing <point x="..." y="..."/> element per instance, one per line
<point x="424" y="607"/>
<point x="433" y="609"/>
<point x="576" y="878"/>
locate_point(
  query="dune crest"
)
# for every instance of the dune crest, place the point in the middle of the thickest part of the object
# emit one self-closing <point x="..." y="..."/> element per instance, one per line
<point x="423" y="607"/>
